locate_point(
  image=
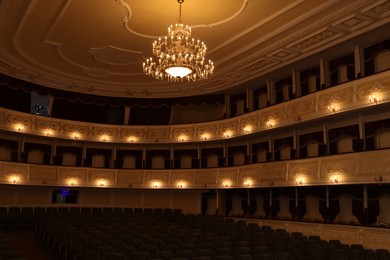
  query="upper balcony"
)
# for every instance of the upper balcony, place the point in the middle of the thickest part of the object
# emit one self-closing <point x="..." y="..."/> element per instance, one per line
<point x="355" y="95"/>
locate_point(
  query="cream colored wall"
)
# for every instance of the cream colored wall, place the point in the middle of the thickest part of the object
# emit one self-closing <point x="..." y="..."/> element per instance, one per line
<point x="156" y="199"/>
<point x="6" y="195"/>
<point x="94" y="197"/>
<point x="188" y="201"/>
<point x="32" y="196"/>
<point x="128" y="198"/>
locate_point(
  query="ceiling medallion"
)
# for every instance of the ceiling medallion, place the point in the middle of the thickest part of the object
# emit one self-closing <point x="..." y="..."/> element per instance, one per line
<point x="178" y="56"/>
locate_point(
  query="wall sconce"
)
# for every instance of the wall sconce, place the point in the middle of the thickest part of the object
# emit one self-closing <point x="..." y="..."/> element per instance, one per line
<point x="48" y="132"/>
<point x="379" y="179"/>
<point x="334" y="180"/>
<point x="19" y="128"/>
<point x="269" y="124"/>
<point x="15" y="179"/>
<point x="373" y="99"/>
<point x="225" y="184"/>
<point x="299" y="181"/>
<point x="182" y="138"/>
<point x="155" y="185"/>
<point x="72" y="182"/>
<point x="205" y="137"/>
<point x="104" y="138"/>
<point x="180" y="186"/>
<point x="247" y="184"/>
<point x="131" y="139"/>
<point x="247" y="129"/>
<point x="102" y="182"/>
<point x="227" y="134"/>
<point x="75" y="139"/>
<point x="332" y="108"/>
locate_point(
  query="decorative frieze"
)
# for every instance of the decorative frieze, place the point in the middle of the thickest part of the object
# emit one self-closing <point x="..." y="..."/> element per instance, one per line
<point x="43" y="173"/>
<point x="338" y="167"/>
<point x="228" y="176"/>
<point x="274" y="172"/>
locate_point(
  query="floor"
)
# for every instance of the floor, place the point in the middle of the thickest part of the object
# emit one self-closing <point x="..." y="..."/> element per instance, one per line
<point x="29" y="246"/>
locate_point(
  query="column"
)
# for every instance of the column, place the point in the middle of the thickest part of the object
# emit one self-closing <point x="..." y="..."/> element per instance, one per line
<point x="21" y="149"/>
<point x="113" y="156"/>
<point x="271" y="92"/>
<point x="296" y="204"/>
<point x="324" y="74"/>
<point x="126" y="116"/>
<point x="327" y="204"/>
<point x="296" y="83"/>
<point x="227" y="106"/>
<point x="249" y="99"/>
<point x="53" y="152"/>
<point x="83" y="154"/>
<point x="359" y="62"/>
<point x="365" y="204"/>
<point x="249" y="151"/>
<point x="270" y="204"/>
<point x="325" y="137"/>
<point x="144" y="157"/>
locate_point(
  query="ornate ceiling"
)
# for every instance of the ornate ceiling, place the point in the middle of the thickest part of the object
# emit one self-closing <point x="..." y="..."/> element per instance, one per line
<point x="98" y="46"/>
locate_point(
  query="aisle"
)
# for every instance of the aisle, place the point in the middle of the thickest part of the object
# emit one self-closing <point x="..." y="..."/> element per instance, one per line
<point x="29" y="246"/>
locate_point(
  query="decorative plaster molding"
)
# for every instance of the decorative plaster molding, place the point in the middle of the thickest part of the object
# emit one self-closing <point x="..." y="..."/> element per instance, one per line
<point x="116" y="56"/>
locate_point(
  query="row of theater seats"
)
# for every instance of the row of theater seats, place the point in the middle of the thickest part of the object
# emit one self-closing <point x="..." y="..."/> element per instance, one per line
<point x="26" y="217"/>
<point x="7" y="249"/>
<point x="120" y="236"/>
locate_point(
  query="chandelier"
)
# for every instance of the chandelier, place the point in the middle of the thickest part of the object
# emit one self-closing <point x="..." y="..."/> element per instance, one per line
<point x="178" y="56"/>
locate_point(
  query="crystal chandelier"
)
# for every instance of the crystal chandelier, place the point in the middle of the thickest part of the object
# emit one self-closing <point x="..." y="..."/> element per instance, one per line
<point x="178" y="56"/>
